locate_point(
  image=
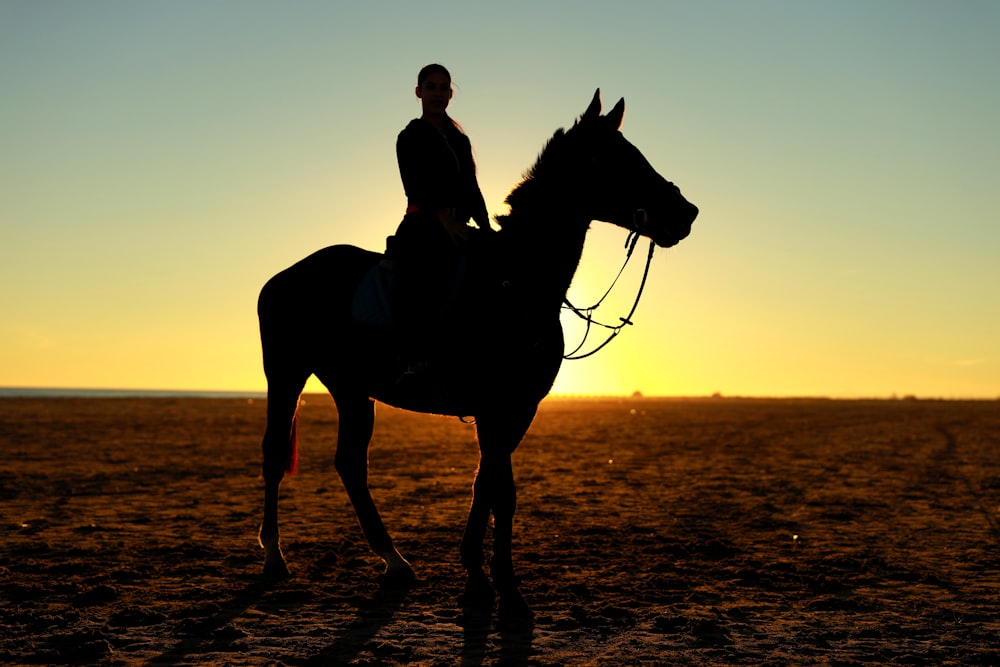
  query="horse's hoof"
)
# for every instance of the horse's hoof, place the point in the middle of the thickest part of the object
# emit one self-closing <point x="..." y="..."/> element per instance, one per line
<point x="478" y="594"/>
<point x="514" y="614"/>
<point x="275" y="570"/>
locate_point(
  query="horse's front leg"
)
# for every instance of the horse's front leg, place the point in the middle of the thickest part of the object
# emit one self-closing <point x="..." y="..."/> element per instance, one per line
<point x="356" y="423"/>
<point x="494" y="490"/>
<point x="513" y="608"/>
<point x="479" y="593"/>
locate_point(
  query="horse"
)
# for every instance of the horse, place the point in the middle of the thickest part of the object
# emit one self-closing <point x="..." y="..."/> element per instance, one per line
<point x="587" y="173"/>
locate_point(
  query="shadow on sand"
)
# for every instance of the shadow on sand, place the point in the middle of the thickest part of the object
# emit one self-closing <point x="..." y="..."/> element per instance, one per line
<point x="373" y="614"/>
<point x="215" y="632"/>
<point x="514" y="645"/>
<point x="379" y="611"/>
<point x="482" y="636"/>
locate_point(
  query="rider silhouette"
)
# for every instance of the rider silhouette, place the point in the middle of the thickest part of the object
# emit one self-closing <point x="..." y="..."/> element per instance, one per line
<point x="442" y="193"/>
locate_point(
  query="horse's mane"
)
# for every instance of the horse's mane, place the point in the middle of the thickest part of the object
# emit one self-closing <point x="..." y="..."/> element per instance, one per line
<point x="552" y="152"/>
<point x="544" y="156"/>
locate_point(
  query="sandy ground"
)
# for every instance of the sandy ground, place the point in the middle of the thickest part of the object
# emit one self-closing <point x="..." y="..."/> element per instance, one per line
<point x="649" y="532"/>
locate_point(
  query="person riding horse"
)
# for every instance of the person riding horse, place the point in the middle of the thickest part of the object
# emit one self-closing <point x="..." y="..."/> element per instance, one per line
<point x="442" y="193"/>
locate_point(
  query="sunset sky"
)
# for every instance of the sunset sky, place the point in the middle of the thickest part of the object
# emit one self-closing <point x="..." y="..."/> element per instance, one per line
<point x="160" y="160"/>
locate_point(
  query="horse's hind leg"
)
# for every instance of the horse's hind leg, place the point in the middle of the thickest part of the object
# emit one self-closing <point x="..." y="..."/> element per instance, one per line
<point x="356" y="423"/>
<point x="279" y="449"/>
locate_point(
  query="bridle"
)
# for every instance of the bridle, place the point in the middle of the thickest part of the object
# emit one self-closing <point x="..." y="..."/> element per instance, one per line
<point x="587" y="314"/>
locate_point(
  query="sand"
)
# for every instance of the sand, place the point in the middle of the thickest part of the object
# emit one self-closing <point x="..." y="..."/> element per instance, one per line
<point x="649" y="532"/>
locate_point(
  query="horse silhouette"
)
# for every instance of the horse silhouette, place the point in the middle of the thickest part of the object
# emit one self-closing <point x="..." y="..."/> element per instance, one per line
<point x="505" y="344"/>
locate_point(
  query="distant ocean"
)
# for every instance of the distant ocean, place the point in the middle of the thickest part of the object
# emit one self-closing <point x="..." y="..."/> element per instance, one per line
<point x="34" y="392"/>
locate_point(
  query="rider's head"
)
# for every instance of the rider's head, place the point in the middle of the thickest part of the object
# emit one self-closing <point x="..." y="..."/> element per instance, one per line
<point x="434" y="89"/>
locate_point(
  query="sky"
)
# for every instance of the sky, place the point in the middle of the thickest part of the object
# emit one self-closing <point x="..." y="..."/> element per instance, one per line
<point x="160" y="161"/>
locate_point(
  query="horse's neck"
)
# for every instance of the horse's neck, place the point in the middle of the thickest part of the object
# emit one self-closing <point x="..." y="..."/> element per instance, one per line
<point x="545" y="250"/>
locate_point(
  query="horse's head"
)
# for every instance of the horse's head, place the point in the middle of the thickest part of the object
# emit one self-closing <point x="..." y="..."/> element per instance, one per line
<point x="618" y="185"/>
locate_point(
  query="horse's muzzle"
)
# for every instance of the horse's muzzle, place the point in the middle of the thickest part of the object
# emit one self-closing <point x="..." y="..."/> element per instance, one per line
<point x="675" y="226"/>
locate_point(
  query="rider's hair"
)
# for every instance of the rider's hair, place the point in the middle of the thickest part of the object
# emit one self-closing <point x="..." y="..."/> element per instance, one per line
<point x="433" y="68"/>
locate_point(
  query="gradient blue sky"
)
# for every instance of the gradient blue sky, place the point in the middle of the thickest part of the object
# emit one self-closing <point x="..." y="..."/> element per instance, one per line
<point x="159" y="161"/>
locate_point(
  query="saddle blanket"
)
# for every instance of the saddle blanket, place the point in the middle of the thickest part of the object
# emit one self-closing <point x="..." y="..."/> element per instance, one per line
<point x="371" y="303"/>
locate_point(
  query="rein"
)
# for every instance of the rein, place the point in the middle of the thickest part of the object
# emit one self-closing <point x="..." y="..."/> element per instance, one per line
<point x="587" y="314"/>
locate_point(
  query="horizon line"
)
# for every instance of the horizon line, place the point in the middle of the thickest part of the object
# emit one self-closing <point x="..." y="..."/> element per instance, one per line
<point x="16" y="391"/>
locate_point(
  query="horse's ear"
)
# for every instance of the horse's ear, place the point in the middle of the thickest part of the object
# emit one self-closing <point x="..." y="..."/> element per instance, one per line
<point x="616" y="115"/>
<point x="594" y="110"/>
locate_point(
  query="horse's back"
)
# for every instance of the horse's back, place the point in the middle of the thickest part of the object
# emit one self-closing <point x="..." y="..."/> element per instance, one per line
<point x="312" y="297"/>
<point x="330" y="274"/>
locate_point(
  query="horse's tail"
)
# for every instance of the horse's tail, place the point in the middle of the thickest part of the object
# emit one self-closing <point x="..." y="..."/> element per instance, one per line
<point x="292" y="464"/>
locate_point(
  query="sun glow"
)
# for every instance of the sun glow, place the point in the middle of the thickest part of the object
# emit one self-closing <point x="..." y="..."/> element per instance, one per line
<point x="150" y="190"/>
